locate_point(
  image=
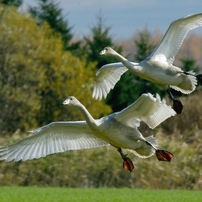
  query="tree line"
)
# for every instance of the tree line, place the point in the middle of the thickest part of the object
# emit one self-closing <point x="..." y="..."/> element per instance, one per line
<point x="41" y="64"/>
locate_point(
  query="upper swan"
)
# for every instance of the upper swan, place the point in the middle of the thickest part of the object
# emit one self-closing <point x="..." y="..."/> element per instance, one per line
<point x="157" y="67"/>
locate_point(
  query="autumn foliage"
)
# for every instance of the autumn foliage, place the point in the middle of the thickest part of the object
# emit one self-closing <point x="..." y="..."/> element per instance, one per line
<point x="36" y="76"/>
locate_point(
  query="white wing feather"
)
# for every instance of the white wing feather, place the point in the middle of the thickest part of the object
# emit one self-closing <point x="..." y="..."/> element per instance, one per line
<point x="148" y="109"/>
<point x="106" y="78"/>
<point x="53" y="138"/>
<point x="173" y="38"/>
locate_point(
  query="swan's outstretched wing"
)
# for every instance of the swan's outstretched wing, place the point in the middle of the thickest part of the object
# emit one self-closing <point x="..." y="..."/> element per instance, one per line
<point x="53" y="138"/>
<point x="147" y="108"/>
<point x="106" y="78"/>
<point x="173" y="38"/>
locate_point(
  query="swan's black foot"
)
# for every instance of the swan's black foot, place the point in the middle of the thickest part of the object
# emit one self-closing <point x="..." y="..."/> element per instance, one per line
<point x="163" y="155"/>
<point x="127" y="163"/>
<point x="177" y="106"/>
<point x="199" y="79"/>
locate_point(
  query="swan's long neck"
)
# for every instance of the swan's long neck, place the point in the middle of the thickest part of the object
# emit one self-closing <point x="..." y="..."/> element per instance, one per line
<point x="89" y="119"/>
<point x="131" y="66"/>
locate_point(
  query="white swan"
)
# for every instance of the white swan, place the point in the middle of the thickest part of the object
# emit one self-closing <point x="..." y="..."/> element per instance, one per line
<point x="157" y="67"/>
<point x="118" y="129"/>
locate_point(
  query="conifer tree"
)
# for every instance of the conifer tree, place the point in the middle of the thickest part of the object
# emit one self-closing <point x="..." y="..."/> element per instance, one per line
<point x="16" y="3"/>
<point x="50" y="11"/>
<point x="97" y="40"/>
<point x="189" y="64"/>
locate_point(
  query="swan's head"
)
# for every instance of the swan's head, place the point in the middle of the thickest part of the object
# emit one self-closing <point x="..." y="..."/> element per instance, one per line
<point x="71" y="100"/>
<point x="107" y="51"/>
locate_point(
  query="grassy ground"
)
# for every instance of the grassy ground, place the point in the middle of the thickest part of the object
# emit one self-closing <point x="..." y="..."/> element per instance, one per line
<point x="31" y="194"/>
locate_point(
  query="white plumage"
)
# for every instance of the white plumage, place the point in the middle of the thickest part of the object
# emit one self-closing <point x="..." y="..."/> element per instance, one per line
<point x="157" y="67"/>
<point x="117" y="129"/>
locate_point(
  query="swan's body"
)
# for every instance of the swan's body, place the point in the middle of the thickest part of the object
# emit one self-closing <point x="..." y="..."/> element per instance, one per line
<point x="157" y="67"/>
<point x="118" y="129"/>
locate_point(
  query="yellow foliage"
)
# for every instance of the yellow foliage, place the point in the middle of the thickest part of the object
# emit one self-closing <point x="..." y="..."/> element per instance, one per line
<point x="36" y="75"/>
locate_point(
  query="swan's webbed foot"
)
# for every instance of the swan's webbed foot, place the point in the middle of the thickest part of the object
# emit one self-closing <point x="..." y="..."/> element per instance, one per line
<point x="199" y="78"/>
<point x="177" y="104"/>
<point x="163" y="155"/>
<point x="127" y="162"/>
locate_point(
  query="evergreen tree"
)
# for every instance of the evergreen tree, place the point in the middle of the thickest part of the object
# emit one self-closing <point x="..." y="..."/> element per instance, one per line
<point x="143" y="44"/>
<point x="16" y="3"/>
<point x="98" y="39"/>
<point x="189" y="65"/>
<point x="125" y="92"/>
<point x="49" y="11"/>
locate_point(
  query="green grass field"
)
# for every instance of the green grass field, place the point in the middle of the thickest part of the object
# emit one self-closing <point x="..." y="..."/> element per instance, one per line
<point x="37" y="194"/>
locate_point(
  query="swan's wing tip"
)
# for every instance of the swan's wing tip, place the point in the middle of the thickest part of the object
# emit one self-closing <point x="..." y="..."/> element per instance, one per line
<point x="100" y="90"/>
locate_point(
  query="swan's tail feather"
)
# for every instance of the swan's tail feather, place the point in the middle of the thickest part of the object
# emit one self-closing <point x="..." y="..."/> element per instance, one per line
<point x="188" y="85"/>
<point x="145" y="150"/>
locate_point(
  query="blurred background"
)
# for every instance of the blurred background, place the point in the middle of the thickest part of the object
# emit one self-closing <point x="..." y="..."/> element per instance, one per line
<point x="50" y="49"/>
